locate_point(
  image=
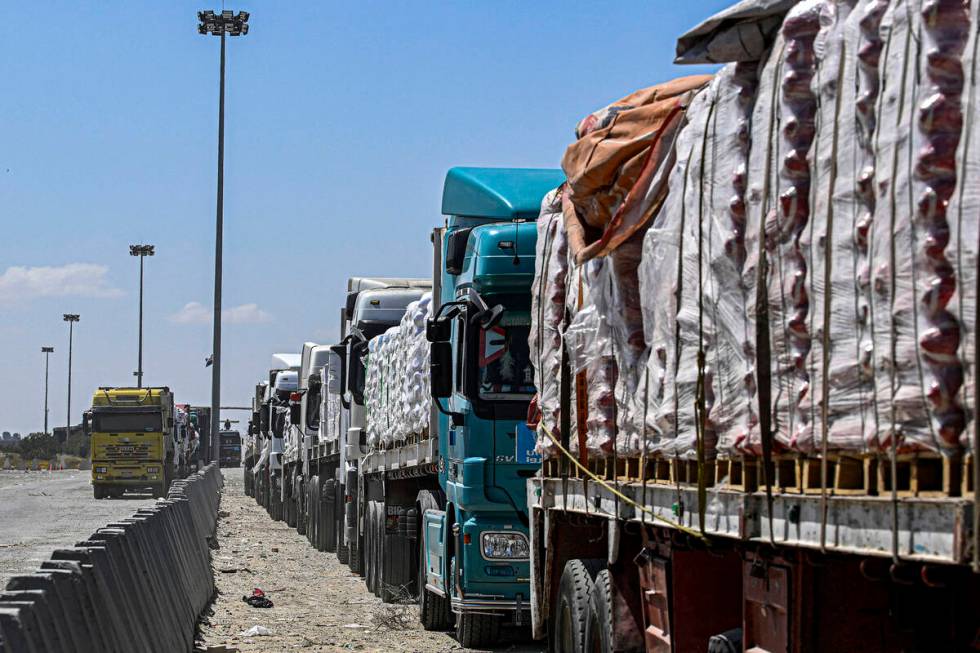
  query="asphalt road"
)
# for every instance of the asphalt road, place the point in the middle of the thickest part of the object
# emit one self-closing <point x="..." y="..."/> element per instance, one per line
<point x="44" y="511"/>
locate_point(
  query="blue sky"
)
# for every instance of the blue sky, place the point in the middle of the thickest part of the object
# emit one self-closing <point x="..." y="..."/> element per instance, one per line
<point x="342" y="119"/>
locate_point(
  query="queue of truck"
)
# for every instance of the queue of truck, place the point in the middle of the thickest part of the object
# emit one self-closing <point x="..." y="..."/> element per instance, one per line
<point x="711" y="386"/>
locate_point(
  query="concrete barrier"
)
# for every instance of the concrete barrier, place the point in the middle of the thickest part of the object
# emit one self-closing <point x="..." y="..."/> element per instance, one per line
<point x="139" y="584"/>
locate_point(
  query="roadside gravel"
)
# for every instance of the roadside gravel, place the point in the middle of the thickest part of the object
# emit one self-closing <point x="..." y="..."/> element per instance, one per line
<point x="319" y="604"/>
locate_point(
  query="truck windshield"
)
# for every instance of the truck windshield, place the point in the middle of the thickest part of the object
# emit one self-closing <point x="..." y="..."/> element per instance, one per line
<point x="127" y="422"/>
<point x="505" y="360"/>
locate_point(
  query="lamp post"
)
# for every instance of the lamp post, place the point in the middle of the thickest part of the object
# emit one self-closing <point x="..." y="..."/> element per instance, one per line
<point x="220" y="24"/>
<point x="47" y="351"/>
<point x="70" y="318"/>
<point x="141" y="251"/>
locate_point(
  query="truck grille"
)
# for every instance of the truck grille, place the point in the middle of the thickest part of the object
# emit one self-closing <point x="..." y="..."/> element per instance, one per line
<point x="128" y="451"/>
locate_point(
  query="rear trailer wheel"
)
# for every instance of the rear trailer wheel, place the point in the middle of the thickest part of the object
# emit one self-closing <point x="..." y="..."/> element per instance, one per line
<point x="572" y="611"/>
<point x="599" y="627"/>
<point x="477" y="630"/>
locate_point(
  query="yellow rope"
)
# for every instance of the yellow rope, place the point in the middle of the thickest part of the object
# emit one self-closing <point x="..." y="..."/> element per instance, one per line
<point x="622" y="497"/>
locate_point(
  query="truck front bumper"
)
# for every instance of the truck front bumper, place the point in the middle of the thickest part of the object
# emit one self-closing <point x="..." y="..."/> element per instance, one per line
<point x="520" y="609"/>
<point x="127" y="473"/>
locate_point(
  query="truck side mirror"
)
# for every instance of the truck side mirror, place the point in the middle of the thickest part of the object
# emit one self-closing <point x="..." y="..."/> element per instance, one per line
<point x="86" y="426"/>
<point x="441" y="369"/>
<point x="256" y="418"/>
<point x="438" y="329"/>
<point x="456" y="250"/>
<point x="170" y="422"/>
<point x="491" y="317"/>
<point x="294" y="413"/>
<point x="351" y="301"/>
<point x="264" y="419"/>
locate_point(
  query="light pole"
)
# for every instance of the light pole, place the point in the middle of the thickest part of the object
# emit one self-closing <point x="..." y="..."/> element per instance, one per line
<point x="220" y="24"/>
<point x="141" y="251"/>
<point x="70" y="318"/>
<point x="47" y="351"/>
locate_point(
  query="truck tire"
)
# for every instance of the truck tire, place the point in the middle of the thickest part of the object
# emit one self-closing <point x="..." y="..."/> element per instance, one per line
<point x="299" y="505"/>
<point x="328" y="516"/>
<point x="377" y="549"/>
<point x="159" y="490"/>
<point x="599" y="626"/>
<point x="368" y="539"/>
<point x="98" y="491"/>
<point x="289" y="501"/>
<point x="478" y="630"/>
<point x="313" y="525"/>
<point x="571" y="614"/>
<point x="310" y="497"/>
<point x="354" y="560"/>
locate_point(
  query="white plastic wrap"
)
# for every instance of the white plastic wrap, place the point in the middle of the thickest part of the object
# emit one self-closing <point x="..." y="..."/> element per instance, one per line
<point x="396" y="387"/>
<point x="548" y="299"/>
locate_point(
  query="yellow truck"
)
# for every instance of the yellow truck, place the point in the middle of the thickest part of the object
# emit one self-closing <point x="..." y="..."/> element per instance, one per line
<point x="132" y="431"/>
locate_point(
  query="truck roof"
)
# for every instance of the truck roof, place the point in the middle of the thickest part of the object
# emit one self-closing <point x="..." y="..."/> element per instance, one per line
<point x="502" y="193"/>
<point x="131" y="396"/>
<point x="364" y="283"/>
<point x="280" y="361"/>
<point x="385" y="305"/>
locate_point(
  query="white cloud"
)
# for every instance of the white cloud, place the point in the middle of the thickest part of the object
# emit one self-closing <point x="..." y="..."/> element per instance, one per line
<point x="20" y="284"/>
<point x="197" y="313"/>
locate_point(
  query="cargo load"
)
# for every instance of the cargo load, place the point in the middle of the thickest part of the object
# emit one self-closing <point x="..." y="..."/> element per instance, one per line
<point x="396" y="387"/>
<point x="788" y="246"/>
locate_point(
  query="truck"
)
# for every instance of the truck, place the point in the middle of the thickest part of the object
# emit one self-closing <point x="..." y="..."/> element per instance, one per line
<point x="133" y="440"/>
<point x="252" y="447"/>
<point x="301" y="434"/>
<point x="229" y="448"/>
<point x="273" y="423"/>
<point x="751" y="439"/>
<point x="332" y="410"/>
<point x="439" y="511"/>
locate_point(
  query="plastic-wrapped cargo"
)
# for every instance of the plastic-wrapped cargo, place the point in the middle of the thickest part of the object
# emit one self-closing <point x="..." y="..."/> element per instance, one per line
<point x="396" y="387"/>
<point x="813" y="246"/>
<point x="548" y="303"/>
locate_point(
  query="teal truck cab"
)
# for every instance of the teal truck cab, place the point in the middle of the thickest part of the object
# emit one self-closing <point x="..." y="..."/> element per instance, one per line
<point x="446" y="509"/>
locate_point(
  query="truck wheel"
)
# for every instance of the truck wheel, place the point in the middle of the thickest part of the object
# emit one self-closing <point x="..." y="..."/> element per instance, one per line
<point x="478" y="630"/>
<point x="434" y="612"/>
<point x="572" y="612"/>
<point x="328" y="516"/>
<point x="299" y="487"/>
<point x="98" y="491"/>
<point x="368" y="542"/>
<point x="599" y="626"/>
<point x="289" y="502"/>
<point x="313" y="510"/>
<point x="159" y="490"/>
<point x="354" y="560"/>
<point x="377" y="548"/>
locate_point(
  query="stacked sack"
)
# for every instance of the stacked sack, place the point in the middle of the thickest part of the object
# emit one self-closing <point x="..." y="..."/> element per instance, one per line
<point x="792" y="242"/>
<point x="396" y="388"/>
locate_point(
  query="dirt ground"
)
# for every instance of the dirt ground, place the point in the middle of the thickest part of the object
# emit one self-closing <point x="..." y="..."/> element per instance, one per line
<point x="319" y="604"/>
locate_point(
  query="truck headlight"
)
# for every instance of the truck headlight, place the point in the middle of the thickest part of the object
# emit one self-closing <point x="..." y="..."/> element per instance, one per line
<point x="506" y="546"/>
<point x="100" y="470"/>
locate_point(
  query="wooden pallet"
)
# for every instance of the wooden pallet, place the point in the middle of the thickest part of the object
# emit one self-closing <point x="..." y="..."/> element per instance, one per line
<point x="919" y="475"/>
<point x="846" y="475"/>
<point x="737" y="473"/>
